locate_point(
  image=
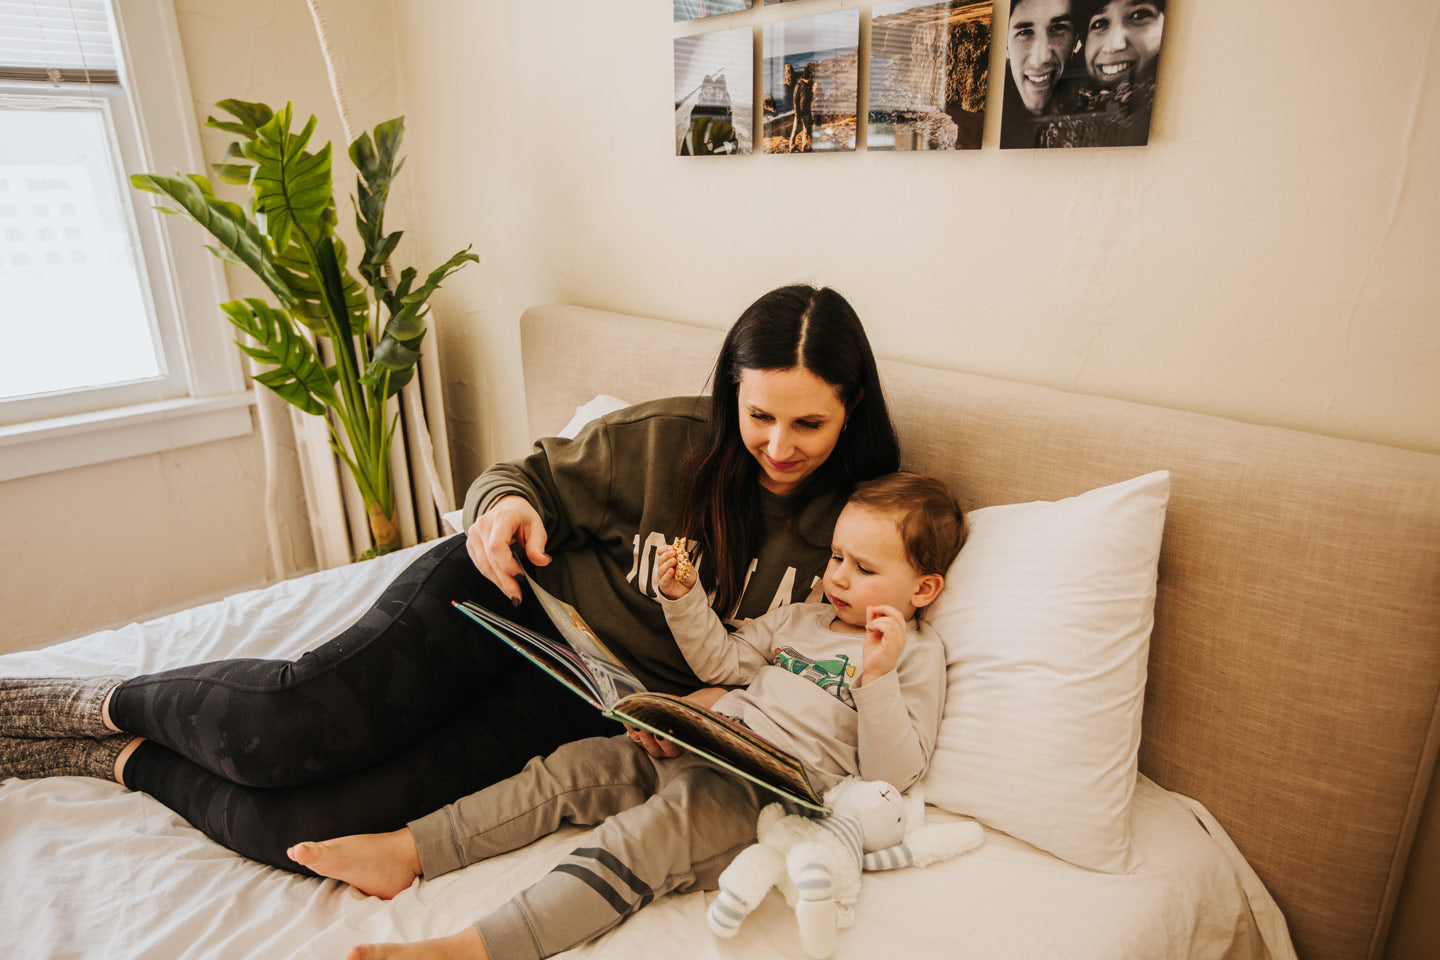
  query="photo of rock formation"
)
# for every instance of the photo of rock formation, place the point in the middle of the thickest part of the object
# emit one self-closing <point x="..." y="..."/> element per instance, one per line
<point x="929" y="74"/>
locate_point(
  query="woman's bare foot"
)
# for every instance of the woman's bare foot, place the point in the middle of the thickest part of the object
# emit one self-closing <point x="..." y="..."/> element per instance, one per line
<point x="377" y="864"/>
<point x="465" y="945"/>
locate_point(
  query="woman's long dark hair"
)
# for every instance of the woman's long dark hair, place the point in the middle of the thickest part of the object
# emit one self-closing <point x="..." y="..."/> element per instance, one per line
<point x="794" y="326"/>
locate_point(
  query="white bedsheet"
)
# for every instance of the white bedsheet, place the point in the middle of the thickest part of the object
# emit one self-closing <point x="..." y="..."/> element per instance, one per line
<point x="90" y="870"/>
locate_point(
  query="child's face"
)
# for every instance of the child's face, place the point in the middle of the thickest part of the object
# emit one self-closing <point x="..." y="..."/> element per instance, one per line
<point x="868" y="567"/>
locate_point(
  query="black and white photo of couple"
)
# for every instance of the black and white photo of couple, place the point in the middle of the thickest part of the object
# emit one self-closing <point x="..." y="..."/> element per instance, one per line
<point x="1081" y="73"/>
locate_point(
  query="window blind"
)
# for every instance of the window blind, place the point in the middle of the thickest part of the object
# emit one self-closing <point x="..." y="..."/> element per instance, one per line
<point x="57" y="41"/>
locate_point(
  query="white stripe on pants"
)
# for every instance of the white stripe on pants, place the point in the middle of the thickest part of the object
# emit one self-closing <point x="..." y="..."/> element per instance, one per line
<point x="664" y="825"/>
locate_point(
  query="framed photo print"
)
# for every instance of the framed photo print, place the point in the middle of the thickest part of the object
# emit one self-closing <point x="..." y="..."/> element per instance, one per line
<point x="715" y="93"/>
<point x="697" y="9"/>
<point x="1081" y="73"/>
<point x="810" y="74"/>
<point x="929" y="74"/>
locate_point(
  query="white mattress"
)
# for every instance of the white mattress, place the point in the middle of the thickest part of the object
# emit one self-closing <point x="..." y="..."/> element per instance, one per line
<point x="91" y="870"/>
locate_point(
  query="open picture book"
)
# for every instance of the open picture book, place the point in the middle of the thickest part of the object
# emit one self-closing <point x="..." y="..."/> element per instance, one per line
<point x="577" y="658"/>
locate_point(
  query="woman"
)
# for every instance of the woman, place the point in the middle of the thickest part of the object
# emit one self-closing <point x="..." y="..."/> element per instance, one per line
<point x="1111" y="101"/>
<point x="410" y="708"/>
<point x="1122" y="41"/>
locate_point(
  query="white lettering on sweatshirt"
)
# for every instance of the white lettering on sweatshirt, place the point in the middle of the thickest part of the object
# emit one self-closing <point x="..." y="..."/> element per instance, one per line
<point x="644" y="558"/>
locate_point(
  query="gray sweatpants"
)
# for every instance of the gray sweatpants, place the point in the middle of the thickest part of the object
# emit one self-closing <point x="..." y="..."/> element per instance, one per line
<point x="664" y="825"/>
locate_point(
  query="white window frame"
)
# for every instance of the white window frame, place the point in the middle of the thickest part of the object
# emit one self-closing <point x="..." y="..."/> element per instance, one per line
<point x="203" y="394"/>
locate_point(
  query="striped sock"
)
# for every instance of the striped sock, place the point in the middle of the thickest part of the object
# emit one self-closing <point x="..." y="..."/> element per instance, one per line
<point x="815" y="912"/>
<point x="813" y="882"/>
<point x="727" y="911"/>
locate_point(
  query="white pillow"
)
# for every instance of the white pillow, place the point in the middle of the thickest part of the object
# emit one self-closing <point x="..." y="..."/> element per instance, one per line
<point x="1046" y="617"/>
<point x="592" y="409"/>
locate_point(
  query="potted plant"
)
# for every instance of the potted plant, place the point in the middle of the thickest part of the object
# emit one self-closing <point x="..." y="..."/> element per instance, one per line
<point x="287" y="239"/>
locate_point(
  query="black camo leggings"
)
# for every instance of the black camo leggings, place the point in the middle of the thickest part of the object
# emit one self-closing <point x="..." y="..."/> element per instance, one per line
<point x="407" y="710"/>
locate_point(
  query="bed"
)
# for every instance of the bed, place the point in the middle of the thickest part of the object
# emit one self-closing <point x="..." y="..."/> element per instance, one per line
<point x="1290" y="689"/>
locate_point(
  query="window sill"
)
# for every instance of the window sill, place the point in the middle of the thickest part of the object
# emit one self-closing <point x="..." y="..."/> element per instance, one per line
<point x="44" y="446"/>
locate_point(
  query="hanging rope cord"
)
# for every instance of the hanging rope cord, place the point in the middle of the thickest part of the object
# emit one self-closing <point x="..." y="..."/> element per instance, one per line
<point x="411" y="397"/>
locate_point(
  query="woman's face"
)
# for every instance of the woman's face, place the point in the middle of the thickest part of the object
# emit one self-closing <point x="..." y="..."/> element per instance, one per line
<point x="790" y="421"/>
<point x="1122" y="41"/>
<point x="1042" y="34"/>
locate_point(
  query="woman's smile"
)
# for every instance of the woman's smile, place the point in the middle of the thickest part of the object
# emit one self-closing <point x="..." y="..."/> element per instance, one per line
<point x="1116" y="71"/>
<point x="789" y="421"/>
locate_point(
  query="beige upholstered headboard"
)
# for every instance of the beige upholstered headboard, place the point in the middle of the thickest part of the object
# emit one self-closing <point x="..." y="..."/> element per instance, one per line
<point x="1295" y="664"/>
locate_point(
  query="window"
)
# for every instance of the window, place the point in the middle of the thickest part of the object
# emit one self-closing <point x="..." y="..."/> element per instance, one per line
<point x="114" y="343"/>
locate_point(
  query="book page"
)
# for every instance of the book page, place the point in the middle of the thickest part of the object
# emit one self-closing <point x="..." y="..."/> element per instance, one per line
<point x="612" y="679"/>
<point x="550" y="655"/>
<point x="722" y="742"/>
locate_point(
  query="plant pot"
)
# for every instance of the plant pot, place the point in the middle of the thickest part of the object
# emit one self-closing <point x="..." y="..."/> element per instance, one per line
<point x="384" y="530"/>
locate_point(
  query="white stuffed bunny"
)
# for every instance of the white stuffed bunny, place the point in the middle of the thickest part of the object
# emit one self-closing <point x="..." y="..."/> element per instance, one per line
<point x="816" y="861"/>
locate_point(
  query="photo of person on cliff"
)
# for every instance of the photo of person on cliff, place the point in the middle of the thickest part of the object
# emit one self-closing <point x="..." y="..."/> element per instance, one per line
<point x="810" y="70"/>
<point x="802" y="89"/>
<point x="1105" y="94"/>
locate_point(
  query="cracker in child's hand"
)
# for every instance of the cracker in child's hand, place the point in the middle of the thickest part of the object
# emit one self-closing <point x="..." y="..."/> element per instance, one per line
<point x="684" y="570"/>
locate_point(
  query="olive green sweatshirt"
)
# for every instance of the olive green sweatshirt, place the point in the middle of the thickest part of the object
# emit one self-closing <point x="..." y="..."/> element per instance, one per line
<point x="610" y="500"/>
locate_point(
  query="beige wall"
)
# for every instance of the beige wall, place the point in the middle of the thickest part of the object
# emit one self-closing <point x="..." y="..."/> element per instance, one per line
<point x="120" y="541"/>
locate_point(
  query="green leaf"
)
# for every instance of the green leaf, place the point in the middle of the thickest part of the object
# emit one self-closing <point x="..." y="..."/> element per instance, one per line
<point x="433" y="281"/>
<point x="291" y="187"/>
<point x="387" y="139"/>
<point x="333" y="282"/>
<point x="297" y="375"/>
<point x="252" y="116"/>
<point x="224" y="254"/>
<point x="394" y="355"/>
<point x="372" y="267"/>
<point x="375" y="159"/>
<point x="232" y="173"/>
<point x="375" y="165"/>
<point x="295" y="267"/>
<point x="226" y="223"/>
<point x="235" y="168"/>
<point x="375" y="373"/>
<point x="399" y="346"/>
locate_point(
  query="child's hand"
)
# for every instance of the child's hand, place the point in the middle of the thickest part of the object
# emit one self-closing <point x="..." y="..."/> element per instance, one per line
<point x="669" y="586"/>
<point x="657" y="747"/>
<point x="884" y="642"/>
<point x="706" y="696"/>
